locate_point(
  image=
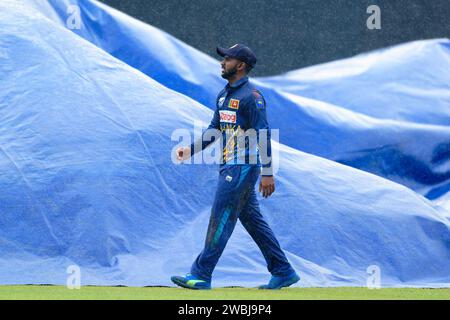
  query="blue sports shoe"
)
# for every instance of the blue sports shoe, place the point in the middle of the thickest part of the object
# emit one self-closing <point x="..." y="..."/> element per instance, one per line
<point x="280" y="282"/>
<point x="191" y="282"/>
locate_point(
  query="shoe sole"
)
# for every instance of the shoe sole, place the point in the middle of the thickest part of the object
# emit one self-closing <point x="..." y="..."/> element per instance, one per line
<point x="184" y="285"/>
<point x="284" y="284"/>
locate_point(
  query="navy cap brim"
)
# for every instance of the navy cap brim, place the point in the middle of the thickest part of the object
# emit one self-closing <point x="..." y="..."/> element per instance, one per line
<point x="222" y="52"/>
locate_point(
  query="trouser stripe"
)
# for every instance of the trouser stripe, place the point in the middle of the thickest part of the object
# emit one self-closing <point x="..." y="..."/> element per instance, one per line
<point x="223" y="222"/>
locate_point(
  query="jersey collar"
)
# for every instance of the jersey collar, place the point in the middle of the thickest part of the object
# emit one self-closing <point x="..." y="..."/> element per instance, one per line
<point x="238" y="83"/>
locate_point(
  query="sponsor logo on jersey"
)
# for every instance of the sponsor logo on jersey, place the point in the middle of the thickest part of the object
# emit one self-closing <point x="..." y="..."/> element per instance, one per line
<point x="234" y="104"/>
<point x="221" y="101"/>
<point x="227" y="116"/>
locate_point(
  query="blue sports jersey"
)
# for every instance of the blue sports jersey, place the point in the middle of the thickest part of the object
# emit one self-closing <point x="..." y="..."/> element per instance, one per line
<point x="241" y="117"/>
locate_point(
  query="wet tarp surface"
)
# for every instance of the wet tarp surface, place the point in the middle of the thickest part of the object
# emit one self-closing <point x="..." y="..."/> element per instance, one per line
<point x="386" y="112"/>
<point x="87" y="178"/>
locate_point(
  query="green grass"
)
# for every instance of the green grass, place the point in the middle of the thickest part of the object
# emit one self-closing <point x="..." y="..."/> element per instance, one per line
<point x="162" y="293"/>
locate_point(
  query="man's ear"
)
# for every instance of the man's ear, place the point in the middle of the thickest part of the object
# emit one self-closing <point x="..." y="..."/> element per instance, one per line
<point x="241" y="66"/>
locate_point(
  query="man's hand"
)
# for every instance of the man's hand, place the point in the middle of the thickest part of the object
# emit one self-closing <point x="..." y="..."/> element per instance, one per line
<point x="267" y="186"/>
<point x="183" y="153"/>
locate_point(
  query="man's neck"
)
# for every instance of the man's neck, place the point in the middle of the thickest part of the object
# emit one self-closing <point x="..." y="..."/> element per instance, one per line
<point x="235" y="79"/>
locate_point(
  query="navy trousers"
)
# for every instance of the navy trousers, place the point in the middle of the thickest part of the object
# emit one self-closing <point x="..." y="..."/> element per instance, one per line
<point x="236" y="199"/>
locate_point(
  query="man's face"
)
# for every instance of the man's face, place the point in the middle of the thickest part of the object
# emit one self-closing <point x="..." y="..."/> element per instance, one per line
<point x="229" y="67"/>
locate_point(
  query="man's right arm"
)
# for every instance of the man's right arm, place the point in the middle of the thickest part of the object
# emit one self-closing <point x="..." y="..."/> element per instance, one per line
<point x="184" y="153"/>
<point x="202" y="143"/>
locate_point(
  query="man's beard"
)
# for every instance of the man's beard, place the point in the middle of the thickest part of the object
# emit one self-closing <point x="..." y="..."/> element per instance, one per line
<point x="230" y="73"/>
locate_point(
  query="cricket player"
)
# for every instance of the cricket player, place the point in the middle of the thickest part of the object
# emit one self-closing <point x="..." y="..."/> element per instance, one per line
<point x="240" y="109"/>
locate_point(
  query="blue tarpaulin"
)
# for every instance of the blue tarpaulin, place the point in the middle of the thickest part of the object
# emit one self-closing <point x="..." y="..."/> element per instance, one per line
<point x="386" y="112"/>
<point x="86" y="139"/>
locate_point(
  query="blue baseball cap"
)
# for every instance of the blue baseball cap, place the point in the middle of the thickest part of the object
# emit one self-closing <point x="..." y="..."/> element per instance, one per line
<point x="240" y="52"/>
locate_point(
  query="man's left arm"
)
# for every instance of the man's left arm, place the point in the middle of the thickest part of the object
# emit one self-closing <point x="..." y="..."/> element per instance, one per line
<point x="258" y="121"/>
